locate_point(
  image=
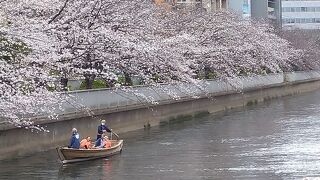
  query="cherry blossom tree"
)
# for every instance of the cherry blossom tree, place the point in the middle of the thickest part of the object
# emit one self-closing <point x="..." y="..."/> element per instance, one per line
<point x="26" y="55"/>
<point x="229" y="46"/>
<point x="309" y="42"/>
<point x="23" y="85"/>
<point x="42" y="41"/>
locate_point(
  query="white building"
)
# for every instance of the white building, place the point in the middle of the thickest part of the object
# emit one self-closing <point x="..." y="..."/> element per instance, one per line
<point x="300" y="14"/>
<point x="288" y="14"/>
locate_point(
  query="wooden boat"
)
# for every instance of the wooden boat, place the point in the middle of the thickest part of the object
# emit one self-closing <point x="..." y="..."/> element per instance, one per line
<point x="70" y="155"/>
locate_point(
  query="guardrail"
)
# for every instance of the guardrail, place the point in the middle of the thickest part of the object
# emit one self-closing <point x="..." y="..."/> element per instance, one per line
<point x="81" y="102"/>
<point x="170" y="93"/>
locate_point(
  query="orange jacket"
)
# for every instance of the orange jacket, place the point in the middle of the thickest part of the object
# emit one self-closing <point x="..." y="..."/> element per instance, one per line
<point x="107" y="144"/>
<point x="85" y="144"/>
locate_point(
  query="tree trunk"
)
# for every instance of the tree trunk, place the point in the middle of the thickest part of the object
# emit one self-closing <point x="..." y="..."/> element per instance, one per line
<point x="206" y="72"/>
<point x="89" y="78"/>
<point x="128" y="81"/>
<point x="64" y="83"/>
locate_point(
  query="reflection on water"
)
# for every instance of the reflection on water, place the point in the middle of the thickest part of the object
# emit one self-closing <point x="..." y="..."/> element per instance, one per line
<point x="99" y="168"/>
<point x="279" y="139"/>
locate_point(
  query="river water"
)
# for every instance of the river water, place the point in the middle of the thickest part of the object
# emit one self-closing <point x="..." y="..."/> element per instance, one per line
<point x="279" y="139"/>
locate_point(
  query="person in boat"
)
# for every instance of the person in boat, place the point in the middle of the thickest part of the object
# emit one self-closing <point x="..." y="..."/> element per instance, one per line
<point x="103" y="142"/>
<point x="86" y="143"/>
<point x="102" y="128"/>
<point x="100" y="143"/>
<point x="75" y="139"/>
<point x="107" y="142"/>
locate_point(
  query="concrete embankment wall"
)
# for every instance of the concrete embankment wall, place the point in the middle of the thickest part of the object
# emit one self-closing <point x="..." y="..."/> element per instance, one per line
<point x="143" y="106"/>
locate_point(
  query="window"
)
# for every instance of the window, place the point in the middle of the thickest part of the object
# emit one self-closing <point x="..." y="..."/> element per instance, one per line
<point x="288" y="21"/>
<point x="300" y="9"/>
<point x="310" y="9"/>
<point x="285" y="21"/>
<point x="286" y="9"/>
<point x="291" y="21"/>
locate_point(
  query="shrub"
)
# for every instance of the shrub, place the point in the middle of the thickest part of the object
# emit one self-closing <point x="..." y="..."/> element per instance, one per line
<point x="97" y="84"/>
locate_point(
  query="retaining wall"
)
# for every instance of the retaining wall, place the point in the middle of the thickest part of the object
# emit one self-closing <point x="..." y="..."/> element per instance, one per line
<point x="143" y="106"/>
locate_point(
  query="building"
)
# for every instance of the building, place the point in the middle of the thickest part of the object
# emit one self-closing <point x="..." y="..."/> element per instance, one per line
<point x="303" y="14"/>
<point x="287" y="14"/>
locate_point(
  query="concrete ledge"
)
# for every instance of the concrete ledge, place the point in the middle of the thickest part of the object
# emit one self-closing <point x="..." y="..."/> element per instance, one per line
<point x="132" y="116"/>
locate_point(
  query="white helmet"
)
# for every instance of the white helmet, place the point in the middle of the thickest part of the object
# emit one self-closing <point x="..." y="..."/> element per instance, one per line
<point x="74" y="130"/>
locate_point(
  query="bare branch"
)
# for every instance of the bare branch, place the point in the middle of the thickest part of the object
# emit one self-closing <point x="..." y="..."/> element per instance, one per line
<point x="60" y="11"/>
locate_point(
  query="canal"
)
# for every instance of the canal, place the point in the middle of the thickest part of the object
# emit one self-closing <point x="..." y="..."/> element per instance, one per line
<point x="279" y="139"/>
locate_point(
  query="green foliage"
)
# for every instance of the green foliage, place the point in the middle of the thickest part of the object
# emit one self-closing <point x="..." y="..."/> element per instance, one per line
<point x="125" y="80"/>
<point x="207" y="75"/>
<point x="121" y="79"/>
<point x="247" y="71"/>
<point x="51" y="88"/>
<point x="211" y="75"/>
<point x="244" y="71"/>
<point x="54" y="73"/>
<point x="97" y="84"/>
<point x="12" y="51"/>
<point x="264" y="70"/>
<point x="156" y="78"/>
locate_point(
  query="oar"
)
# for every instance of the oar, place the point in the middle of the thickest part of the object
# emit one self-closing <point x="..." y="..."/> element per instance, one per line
<point x="115" y="134"/>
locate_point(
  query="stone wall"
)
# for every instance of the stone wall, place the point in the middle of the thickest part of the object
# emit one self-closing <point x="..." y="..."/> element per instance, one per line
<point x="143" y="106"/>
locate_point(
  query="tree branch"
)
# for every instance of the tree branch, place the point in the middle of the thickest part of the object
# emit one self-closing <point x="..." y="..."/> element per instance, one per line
<point x="62" y="8"/>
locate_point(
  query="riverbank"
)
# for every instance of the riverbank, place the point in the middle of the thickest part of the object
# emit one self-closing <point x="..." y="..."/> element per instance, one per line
<point x="278" y="139"/>
<point x="144" y="107"/>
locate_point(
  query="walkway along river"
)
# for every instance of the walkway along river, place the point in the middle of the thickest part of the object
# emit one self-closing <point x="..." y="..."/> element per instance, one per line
<point x="278" y="139"/>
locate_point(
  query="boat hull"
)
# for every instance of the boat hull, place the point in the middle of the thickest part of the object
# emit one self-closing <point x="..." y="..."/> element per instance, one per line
<point x="69" y="155"/>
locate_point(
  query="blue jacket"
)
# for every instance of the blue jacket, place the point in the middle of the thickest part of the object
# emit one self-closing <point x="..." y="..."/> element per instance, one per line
<point x="100" y="130"/>
<point x="75" y="141"/>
